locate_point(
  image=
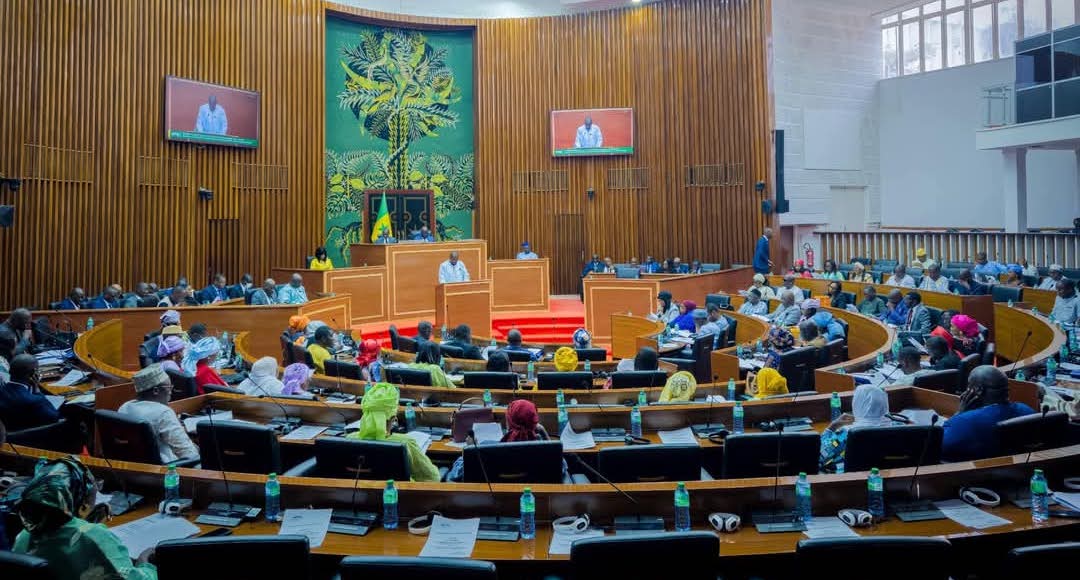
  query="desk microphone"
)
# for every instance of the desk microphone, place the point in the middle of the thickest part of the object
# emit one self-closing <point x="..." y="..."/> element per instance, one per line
<point x="284" y="411"/>
<point x="93" y="364"/>
<point x="884" y="379"/>
<point x="1019" y="354"/>
<point x="601" y="477"/>
<point x="1045" y="410"/>
<point x="913" y="486"/>
<point x="483" y="470"/>
<point x="126" y="500"/>
<point x="776" y="478"/>
<point x="221" y="465"/>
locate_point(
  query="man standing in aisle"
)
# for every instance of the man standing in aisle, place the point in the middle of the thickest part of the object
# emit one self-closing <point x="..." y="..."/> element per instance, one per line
<point x="762" y="263"/>
<point x="453" y="270"/>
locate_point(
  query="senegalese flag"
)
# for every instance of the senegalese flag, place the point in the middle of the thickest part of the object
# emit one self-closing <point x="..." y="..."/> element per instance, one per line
<point x="383" y="221"/>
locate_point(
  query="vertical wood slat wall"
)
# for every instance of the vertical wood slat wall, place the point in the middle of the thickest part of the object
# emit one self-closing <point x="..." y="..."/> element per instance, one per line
<point x="1041" y="249"/>
<point x="104" y="197"/>
<point x="695" y="73"/>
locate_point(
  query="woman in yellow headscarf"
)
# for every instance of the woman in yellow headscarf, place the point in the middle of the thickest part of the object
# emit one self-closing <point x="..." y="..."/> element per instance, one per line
<point x="566" y="359"/>
<point x="767" y="383"/>
<point x="680" y="387"/>
<point x="380" y="405"/>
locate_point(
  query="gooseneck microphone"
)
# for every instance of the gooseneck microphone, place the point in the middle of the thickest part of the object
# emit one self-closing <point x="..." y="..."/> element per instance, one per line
<point x="217" y="454"/>
<point x="913" y="489"/>
<point x="601" y="477"/>
<point x="483" y="469"/>
<point x="1045" y="410"/>
<point x="1020" y="353"/>
<point x="272" y="399"/>
<point x="776" y="477"/>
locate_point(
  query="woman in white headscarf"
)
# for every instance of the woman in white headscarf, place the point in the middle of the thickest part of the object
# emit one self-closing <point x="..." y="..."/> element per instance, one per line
<point x="870" y="408"/>
<point x="197" y="361"/>
<point x="262" y="380"/>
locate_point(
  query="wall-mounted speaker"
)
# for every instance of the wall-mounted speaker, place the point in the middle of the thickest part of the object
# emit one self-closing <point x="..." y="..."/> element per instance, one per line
<point x="7" y="216"/>
<point x="782" y="205"/>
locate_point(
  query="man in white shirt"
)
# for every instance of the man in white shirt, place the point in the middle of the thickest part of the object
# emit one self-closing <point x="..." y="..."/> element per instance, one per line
<point x="1067" y="304"/>
<point x="211" y="118"/>
<point x="789" y="285"/>
<point x="526" y="252"/>
<point x="933" y="280"/>
<point x="788" y="312"/>
<point x="588" y="136"/>
<point x="900" y="278"/>
<point x="152" y="391"/>
<point x="754" y="305"/>
<point x="1050" y="282"/>
<point x="293" y="292"/>
<point x="453" y="270"/>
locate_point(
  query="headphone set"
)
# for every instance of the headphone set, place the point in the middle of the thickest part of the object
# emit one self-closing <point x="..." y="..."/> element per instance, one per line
<point x="980" y="496"/>
<point x="571" y="524"/>
<point x="632" y="440"/>
<point x="421" y="525"/>
<point x="855" y="518"/>
<point x="724" y="522"/>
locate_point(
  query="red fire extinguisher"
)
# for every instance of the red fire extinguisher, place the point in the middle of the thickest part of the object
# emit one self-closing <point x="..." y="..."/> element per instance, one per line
<point x="809" y="256"/>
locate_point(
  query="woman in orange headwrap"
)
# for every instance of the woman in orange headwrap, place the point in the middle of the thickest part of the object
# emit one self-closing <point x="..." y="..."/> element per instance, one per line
<point x="297" y="326"/>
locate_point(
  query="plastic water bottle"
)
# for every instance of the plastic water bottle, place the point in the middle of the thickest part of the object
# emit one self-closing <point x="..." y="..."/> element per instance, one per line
<point x="1051" y="370"/>
<point x="487" y="397"/>
<point x="716" y="342"/>
<point x="875" y="494"/>
<point x="410" y="417"/>
<point x="1052" y="318"/>
<point x="738" y="351"/>
<point x="40" y="465"/>
<point x="731" y="389"/>
<point x="531" y="372"/>
<point x="642" y="398"/>
<point x="560" y="398"/>
<point x="272" y="511"/>
<point x="445" y="335"/>
<point x="172" y="484"/>
<point x="803" y="511"/>
<point x="682" y="508"/>
<point x="834" y="406"/>
<point x="841" y="371"/>
<point x="1035" y="311"/>
<point x="389" y="506"/>
<point x="1010" y="303"/>
<point x="896" y="350"/>
<point x="635" y="421"/>
<point x="494" y="344"/>
<point x="89" y="323"/>
<point x="1020" y="376"/>
<point x="588" y="366"/>
<point x="879" y="361"/>
<point x="1039" y="498"/>
<point x="759" y="348"/>
<point x="564" y="419"/>
<point x="528" y="515"/>
<point x="737" y="414"/>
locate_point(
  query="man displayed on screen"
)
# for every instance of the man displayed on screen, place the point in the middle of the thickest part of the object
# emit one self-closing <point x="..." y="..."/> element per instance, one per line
<point x="211" y="118"/>
<point x="588" y="135"/>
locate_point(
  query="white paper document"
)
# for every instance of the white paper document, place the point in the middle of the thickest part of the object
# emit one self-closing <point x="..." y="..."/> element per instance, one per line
<point x="572" y="441"/>
<point x="828" y="527"/>
<point x="451" y="538"/>
<point x="82" y="399"/>
<point x="1069" y="500"/>
<point x="560" y="541"/>
<point x="487" y="432"/>
<point x="684" y="436"/>
<point x="969" y="515"/>
<point x="310" y="523"/>
<point x="72" y="378"/>
<point x="304" y="432"/>
<point x="55" y="400"/>
<point x="190" y="422"/>
<point x="147" y="532"/>
<point x="918" y="345"/>
<point x="423" y="440"/>
<point x="920" y="416"/>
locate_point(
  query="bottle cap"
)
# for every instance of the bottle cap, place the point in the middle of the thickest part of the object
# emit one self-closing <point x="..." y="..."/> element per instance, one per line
<point x="802" y="474"/>
<point x="528" y="490"/>
<point x="389" y="482"/>
<point x="272" y="475"/>
<point x="874" y="470"/>
<point x="1038" y="472"/>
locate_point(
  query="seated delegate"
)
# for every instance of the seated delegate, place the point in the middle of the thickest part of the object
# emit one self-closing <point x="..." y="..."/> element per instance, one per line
<point x="22" y="405"/>
<point x="870" y="407"/>
<point x="321" y="261"/>
<point x="152" y="391"/>
<point x="970" y="434"/>
<point x="522" y="424"/>
<point x="428" y="358"/>
<point x="197" y="362"/>
<point x="754" y="305"/>
<point x="379" y="407"/>
<point x="1067" y="303"/>
<point x="462" y="338"/>
<point x="262" y="380"/>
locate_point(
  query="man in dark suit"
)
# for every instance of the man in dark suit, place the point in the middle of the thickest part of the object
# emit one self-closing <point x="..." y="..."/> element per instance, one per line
<point x="941" y="358"/>
<point x="106" y="300"/>
<point x="215" y="292"/>
<point x="762" y="263"/>
<point x="966" y="285"/>
<point x="462" y="338"/>
<point x="74" y="301"/>
<point x="918" y="315"/>
<point x="22" y="406"/>
<point x="20" y="324"/>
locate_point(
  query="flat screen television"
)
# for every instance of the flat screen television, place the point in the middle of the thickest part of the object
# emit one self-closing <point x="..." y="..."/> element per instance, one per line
<point x="198" y="112"/>
<point x="589" y="132"/>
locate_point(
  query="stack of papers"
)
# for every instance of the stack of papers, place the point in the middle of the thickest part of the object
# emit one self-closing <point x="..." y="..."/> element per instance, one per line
<point x="969" y="515"/>
<point x="684" y="436"/>
<point x="303" y="432"/>
<point x="828" y="527"/>
<point x="572" y="441"/>
<point x="1069" y="500"/>
<point x="561" y="541"/>
<point x="191" y="422"/>
<point x="145" y="533"/>
<point x="423" y="440"/>
<point x="487" y="432"/>
<point x="72" y="378"/>
<point x="920" y="416"/>
<point x="450" y="538"/>
<point x="310" y="523"/>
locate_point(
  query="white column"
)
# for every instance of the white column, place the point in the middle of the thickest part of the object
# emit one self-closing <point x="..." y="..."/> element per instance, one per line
<point x="1014" y="181"/>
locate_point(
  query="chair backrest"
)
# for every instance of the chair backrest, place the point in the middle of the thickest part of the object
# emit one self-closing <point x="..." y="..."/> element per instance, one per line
<point x="399" y="376"/>
<point x="222" y="389"/>
<point x="521" y="462"/>
<point x="1002" y="293"/>
<point x="126" y="438"/>
<point x="491" y="380"/>
<point x="144" y="356"/>
<point x="755" y="454"/>
<point x="1030" y="281"/>
<point x="862" y="260"/>
<point x="694" y="554"/>
<point x="591" y="354"/>
<point x="935" y="316"/>
<point x="797" y="366"/>
<point x="938" y="380"/>
<point x="851" y="298"/>
<point x="650" y="463"/>
<point x="233" y="557"/>
<point x="451" y="351"/>
<point x="721" y="300"/>
<point x="988" y="354"/>
<point x="637" y="379"/>
<point x="836" y="351"/>
<point x="560" y="380"/>
<point x="406" y="344"/>
<point x="903" y="557"/>
<point x="894" y="446"/>
<point x="352" y="458"/>
<point x="331" y="368"/>
<point x="345" y="369"/>
<point x="701" y="353"/>
<point x="959" y="265"/>
<point x="183" y="385"/>
<point x="394" y="336"/>
<point x="732" y="324"/>
<point x="238" y="446"/>
<point x="287" y="357"/>
<point x="1032" y="433"/>
<point x="628" y="272"/>
<point x="518" y="355"/>
<point x="967" y="364"/>
<point x="414" y="568"/>
<point x="24" y="567"/>
<point x="884" y="264"/>
<point x="301" y="354"/>
<point x="1044" y="561"/>
<point x="63" y="436"/>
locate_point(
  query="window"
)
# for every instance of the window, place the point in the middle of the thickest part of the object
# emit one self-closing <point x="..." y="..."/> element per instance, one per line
<point x="982" y="33"/>
<point x="891" y="19"/>
<point x="911" y="47"/>
<point x="1034" y="17"/>
<point x="954" y="38"/>
<point x="890" y="57"/>
<point x="932" y="56"/>
<point x="913" y="13"/>
<point x="1007" y="25"/>
<point x="931" y="8"/>
<point x="1063" y="13"/>
<point x="950" y="4"/>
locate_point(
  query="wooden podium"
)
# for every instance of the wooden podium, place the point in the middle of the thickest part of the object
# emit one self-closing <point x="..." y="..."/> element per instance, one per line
<point x="464" y="303"/>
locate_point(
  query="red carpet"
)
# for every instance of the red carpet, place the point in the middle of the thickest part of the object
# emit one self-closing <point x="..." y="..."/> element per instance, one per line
<point x="556" y="325"/>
